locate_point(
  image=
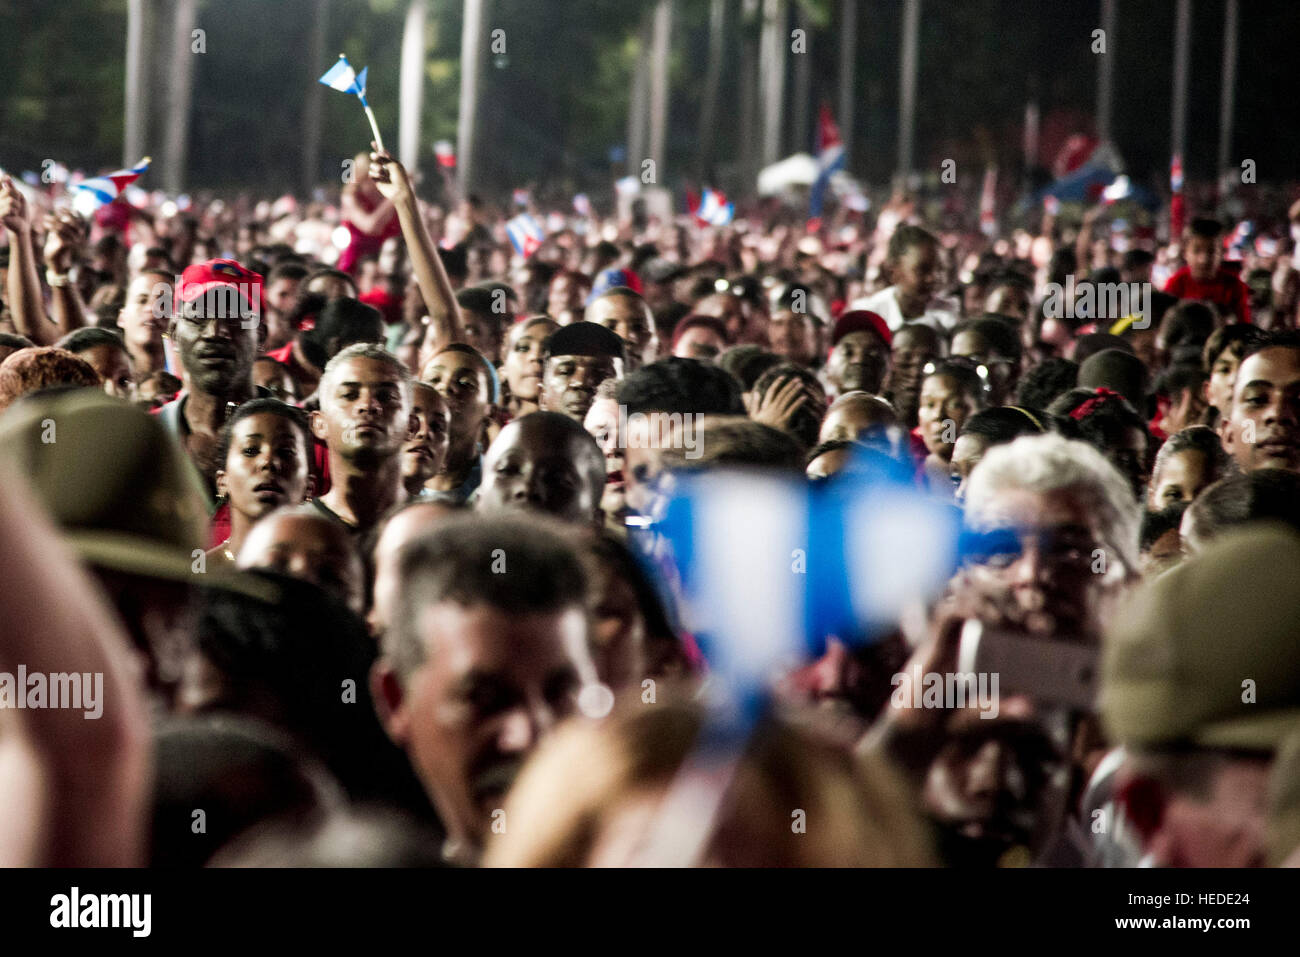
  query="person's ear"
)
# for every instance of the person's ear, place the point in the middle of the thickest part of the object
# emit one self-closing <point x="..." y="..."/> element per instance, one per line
<point x="310" y="491"/>
<point x="319" y="427"/>
<point x="412" y="425"/>
<point x="390" y="701"/>
<point x="1144" y="801"/>
<point x="222" y="489"/>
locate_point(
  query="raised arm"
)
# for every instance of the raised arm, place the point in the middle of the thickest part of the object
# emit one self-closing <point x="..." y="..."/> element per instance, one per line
<point x="25" y="301"/>
<point x="391" y="179"/>
<point x="77" y="782"/>
<point x="65" y="236"/>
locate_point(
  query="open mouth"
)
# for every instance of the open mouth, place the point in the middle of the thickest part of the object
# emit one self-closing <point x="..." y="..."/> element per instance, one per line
<point x="268" y="491"/>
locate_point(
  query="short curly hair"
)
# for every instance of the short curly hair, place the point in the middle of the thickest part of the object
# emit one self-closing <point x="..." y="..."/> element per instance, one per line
<point x="42" y="367"/>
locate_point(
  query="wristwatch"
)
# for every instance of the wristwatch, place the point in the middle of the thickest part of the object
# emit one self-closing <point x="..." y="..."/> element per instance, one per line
<point x="57" y="279"/>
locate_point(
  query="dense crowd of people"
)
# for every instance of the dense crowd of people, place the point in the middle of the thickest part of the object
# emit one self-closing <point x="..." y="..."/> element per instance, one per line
<point x="352" y="511"/>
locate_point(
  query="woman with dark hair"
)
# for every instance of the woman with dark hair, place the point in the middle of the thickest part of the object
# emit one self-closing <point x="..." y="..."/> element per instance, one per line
<point x="1105" y="420"/>
<point x="983" y="431"/>
<point x="265" y="454"/>
<point x="952" y="390"/>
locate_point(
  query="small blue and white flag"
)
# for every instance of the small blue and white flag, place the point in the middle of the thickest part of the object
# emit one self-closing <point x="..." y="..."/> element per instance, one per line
<point x="830" y="159"/>
<point x="343" y="78"/>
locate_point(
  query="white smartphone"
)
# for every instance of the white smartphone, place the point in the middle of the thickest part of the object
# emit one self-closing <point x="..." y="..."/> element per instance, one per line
<point x="1062" y="673"/>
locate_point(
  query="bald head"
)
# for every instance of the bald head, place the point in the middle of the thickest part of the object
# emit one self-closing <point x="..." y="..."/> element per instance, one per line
<point x="303" y="542"/>
<point x="547" y="462"/>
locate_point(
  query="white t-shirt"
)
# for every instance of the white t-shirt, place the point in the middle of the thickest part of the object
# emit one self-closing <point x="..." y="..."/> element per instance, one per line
<point x="940" y="314"/>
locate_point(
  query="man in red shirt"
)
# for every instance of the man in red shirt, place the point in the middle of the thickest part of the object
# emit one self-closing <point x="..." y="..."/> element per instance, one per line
<point x="1204" y="276"/>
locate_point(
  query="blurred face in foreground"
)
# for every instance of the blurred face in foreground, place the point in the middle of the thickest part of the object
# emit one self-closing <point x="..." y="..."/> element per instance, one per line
<point x="1045" y="565"/>
<point x="491" y="686"/>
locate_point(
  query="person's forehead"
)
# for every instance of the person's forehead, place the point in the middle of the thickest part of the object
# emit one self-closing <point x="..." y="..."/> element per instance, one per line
<point x="602" y="412"/>
<point x="263" y="423"/>
<point x="1274" y="367"/>
<point x="700" y="332"/>
<point x="425" y="398"/>
<point x="862" y="338"/>
<point x="911" y="338"/>
<point x="532" y="331"/>
<point x="366" y="371"/>
<point x="583" y="361"/>
<point x="613" y="308"/>
<point x="968" y="446"/>
<point x="319" y="536"/>
<point x="940" y="384"/>
<point x="454" y="361"/>
<point x="479" y="637"/>
<point x="1042" y="511"/>
<point x="967" y="341"/>
<point x="1179" y="466"/>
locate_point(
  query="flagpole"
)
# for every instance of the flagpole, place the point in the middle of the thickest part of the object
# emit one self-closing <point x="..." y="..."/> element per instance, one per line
<point x="907" y="88"/>
<point x="374" y="128"/>
<point x="1229" y="85"/>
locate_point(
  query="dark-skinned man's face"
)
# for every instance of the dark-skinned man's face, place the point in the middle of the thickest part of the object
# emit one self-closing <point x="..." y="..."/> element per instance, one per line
<point x="1264" y="428"/>
<point x="534" y="465"/>
<point x="217" y="344"/>
<point x="858" y="362"/>
<point x="569" y="382"/>
<point x="364" y="412"/>
<point x="630" y="320"/>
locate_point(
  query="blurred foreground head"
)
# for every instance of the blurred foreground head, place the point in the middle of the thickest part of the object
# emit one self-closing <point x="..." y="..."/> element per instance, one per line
<point x="604" y="795"/>
<point x="486" y="651"/>
<point x="129" y="502"/>
<point x="1201" y="685"/>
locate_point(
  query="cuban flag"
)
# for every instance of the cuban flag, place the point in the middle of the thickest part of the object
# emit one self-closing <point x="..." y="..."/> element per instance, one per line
<point x="99" y="191"/>
<point x="1239" y="239"/>
<point x="343" y="78"/>
<point x="830" y="159"/>
<point x="1122" y="188"/>
<point x="525" y="234"/>
<point x="714" y="210"/>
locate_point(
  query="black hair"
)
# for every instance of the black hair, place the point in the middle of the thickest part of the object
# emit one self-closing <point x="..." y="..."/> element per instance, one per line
<point x="1006" y="424"/>
<point x="88" y="337"/>
<point x="240" y="771"/>
<point x="328" y="271"/>
<point x="302" y="652"/>
<point x="746" y="362"/>
<point x="805" y="424"/>
<point x="1180" y="377"/>
<point x="1197" y="438"/>
<point x="681" y="385"/>
<point x="1205" y="227"/>
<point x="455" y="261"/>
<point x="998" y="333"/>
<point x="830" y="445"/>
<point x="1191" y="322"/>
<point x="1261" y="495"/>
<point x="1240" y="336"/>
<point x="343" y="322"/>
<point x="1157" y="524"/>
<point x="1282" y="339"/>
<point x="256" y="407"/>
<point x="461" y="561"/>
<point x="1103" y="424"/>
<point x="286" y="270"/>
<point x="907" y="237"/>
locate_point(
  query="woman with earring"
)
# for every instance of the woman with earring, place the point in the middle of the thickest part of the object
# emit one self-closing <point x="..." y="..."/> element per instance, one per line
<point x="265" y="452"/>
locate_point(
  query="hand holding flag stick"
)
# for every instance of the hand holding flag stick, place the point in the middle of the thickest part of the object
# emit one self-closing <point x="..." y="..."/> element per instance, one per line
<point x="343" y="78"/>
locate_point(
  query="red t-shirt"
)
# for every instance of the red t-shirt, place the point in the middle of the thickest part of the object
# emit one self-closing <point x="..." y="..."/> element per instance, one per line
<point x="1225" y="290"/>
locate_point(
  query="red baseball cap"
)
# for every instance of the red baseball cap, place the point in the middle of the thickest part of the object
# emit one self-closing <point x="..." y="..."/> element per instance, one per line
<point x="861" y="320"/>
<point x="203" y="277"/>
